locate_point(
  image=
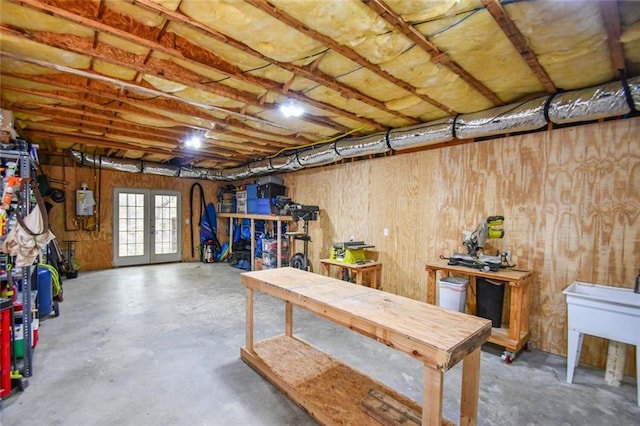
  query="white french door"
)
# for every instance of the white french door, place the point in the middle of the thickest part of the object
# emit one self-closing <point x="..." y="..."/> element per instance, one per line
<point x="146" y="226"/>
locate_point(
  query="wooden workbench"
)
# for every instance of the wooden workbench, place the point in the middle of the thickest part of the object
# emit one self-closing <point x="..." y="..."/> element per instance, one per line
<point x="516" y="334"/>
<point x="356" y="269"/>
<point x="332" y="392"/>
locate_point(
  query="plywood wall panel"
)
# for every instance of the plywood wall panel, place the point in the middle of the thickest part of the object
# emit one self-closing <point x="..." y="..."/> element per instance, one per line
<point x="570" y="198"/>
<point x="94" y="247"/>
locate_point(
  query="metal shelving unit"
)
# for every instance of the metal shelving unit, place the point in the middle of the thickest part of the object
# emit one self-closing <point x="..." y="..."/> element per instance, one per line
<point x="26" y="170"/>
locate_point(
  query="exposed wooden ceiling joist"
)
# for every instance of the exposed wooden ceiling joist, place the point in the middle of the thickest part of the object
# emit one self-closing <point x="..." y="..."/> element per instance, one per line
<point x="519" y="42"/>
<point x="611" y="16"/>
<point x="436" y="55"/>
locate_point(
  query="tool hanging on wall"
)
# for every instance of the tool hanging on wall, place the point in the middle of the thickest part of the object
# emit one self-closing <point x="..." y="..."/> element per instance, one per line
<point x="208" y="225"/>
<point x="27" y="238"/>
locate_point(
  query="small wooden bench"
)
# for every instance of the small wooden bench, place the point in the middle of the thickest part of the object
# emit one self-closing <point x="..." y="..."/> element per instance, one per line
<point x="334" y="393"/>
<point x="372" y="267"/>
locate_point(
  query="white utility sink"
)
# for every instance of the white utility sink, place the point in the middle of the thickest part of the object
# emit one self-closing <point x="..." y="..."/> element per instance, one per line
<point x="603" y="311"/>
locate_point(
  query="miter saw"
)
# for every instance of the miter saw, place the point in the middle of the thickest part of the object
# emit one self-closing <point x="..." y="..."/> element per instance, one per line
<point x="475" y="241"/>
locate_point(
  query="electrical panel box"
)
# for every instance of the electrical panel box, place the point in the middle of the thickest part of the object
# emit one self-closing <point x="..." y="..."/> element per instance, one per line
<point x="84" y="202"/>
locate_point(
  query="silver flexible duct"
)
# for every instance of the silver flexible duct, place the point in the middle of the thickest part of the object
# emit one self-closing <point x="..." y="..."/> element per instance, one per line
<point x="367" y="145"/>
<point x="160" y="169"/>
<point x="523" y="117"/>
<point x="604" y="101"/>
<point x="318" y="156"/>
<point x="420" y="135"/>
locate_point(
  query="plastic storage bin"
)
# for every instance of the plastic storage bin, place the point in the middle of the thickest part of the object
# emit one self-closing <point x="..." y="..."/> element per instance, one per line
<point x="45" y="290"/>
<point x="270" y="253"/>
<point x="252" y="206"/>
<point x="225" y="207"/>
<point x="452" y="293"/>
<point x="263" y="206"/>
<point x="489" y="300"/>
<point x="252" y="191"/>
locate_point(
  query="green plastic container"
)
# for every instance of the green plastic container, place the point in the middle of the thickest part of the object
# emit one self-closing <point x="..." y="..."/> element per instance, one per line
<point x="18" y="348"/>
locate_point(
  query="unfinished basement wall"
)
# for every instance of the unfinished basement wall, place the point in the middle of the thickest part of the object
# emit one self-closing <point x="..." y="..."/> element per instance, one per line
<point x="570" y="197"/>
<point x="94" y="247"/>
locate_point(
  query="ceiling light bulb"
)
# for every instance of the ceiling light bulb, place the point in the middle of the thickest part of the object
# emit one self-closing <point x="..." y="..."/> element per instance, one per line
<point x="194" y="142"/>
<point x="291" y="109"/>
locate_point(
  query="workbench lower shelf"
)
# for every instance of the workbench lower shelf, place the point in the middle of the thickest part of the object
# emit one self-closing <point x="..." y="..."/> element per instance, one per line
<point x="327" y="389"/>
<point x="500" y="337"/>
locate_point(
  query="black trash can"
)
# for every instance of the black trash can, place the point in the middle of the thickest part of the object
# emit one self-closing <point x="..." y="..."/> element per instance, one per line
<point x="489" y="300"/>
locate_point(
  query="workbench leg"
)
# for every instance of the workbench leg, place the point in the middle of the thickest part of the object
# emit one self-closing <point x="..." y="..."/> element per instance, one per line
<point x="279" y="244"/>
<point x="249" y="324"/>
<point x="325" y="268"/>
<point x="526" y="305"/>
<point x="359" y="275"/>
<point x="472" y="302"/>
<point x="374" y="278"/>
<point x="432" y="400"/>
<point x="431" y="286"/>
<point x="573" y="352"/>
<point x="288" y="315"/>
<point x="470" y="388"/>
<point x="253" y="245"/>
<point x="516" y="313"/>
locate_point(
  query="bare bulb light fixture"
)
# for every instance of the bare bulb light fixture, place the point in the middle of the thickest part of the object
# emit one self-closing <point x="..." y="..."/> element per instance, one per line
<point x="194" y="142"/>
<point x="291" y="109"/>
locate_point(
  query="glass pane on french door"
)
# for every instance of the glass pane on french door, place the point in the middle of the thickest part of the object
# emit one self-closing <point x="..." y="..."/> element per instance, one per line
<point x="146" y="226"/>
<point x="166" y="225"/>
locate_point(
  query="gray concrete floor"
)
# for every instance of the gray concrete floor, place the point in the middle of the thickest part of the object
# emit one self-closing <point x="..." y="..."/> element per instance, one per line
<point x="159" y="345"/>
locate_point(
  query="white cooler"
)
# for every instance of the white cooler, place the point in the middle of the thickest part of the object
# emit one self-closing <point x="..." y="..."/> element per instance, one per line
<point x="452" y="293"/>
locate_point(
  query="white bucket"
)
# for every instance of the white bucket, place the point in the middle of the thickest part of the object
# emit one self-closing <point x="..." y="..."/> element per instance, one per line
<point x="452" y="293"/>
